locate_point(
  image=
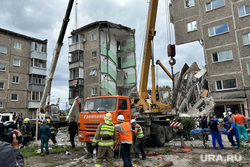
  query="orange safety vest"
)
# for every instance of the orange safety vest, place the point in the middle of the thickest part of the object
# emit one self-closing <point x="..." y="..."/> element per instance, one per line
<point x="126" y="132"/>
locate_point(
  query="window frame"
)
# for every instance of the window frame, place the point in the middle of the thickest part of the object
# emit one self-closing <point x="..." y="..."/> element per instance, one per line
<point x="4" y="52"/>
<point x="248" y="70"/>
<point x="186" y="7"/>
<point x="18" y="44"/>
<point x="244" y="8"/>
<point x="1" y="104"/>
<point x="219" y="58"/>
<point x="17" y="65"/>
<point x="93" y="37"/>
<point x="95" y="54"/>
<point x="223" y="89"/>
<point x="14" y="94"/>
<point x="212" y="5"/>
<point x="92" y="92"/>
<point x="3" y="85"/>
<point x="214" y="30"/>
<point x="248" y="34"/>
<point x="4" y="67"/>
<point x="15" y="79"/>
<point x="192" y="26"/>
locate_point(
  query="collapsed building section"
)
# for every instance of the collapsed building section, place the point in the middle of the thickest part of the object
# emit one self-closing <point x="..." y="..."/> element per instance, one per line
<point x="102" y="60"/>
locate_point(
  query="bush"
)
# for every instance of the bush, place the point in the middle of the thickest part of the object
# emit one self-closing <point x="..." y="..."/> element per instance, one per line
<point x="188" y="125"/>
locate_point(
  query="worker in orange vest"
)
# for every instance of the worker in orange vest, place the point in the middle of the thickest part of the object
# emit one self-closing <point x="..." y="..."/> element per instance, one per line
<point x="125" y="131"/>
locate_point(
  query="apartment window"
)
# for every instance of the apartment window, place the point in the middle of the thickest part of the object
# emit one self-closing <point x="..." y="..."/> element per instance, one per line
<point x="36" y="96"/>
<point x="93" y="73"/>
<point x="17" y="45"/>
<point x="93" y="37"/>
<point x="75" y="57"/>
<point x="1" y="104"/>
<point x="248" y="68"/>
<point x="1" y="85"/>
<point x="38" y="63"/>
<point x="40" y="47"/>
<point x="223" y="56"/>
<point x="14" y="97"/>
<point x="94" y="91"/>
<point x="74" y="73"/>
<point x="3" y="50"/>
<point x="220" y="29"/>
<point x="214" y="4"/>
<point x="246" y="39"/>
<point x="2" y="67"/>
<point x="16" y="62"/>
<point x="74" y="39"/>
<point x="37" y="79"/>
<point x="226" y="84"/>
<point x="192" y="26"/>
<point x="244" y="10"/>
<point x="188" y="3"/>
<point x="15" y="79"/>
<point x="94" y="55"/>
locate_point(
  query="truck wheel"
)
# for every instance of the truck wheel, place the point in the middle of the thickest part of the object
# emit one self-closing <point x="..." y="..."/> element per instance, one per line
<point x="159" y="138"/>
<point x="169" y="133"/>
<point x="89" y="148"/>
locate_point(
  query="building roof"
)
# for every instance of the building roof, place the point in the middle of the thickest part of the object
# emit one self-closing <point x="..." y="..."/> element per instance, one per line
<point x="103" y="24"/>
<point x="23" y="36"/>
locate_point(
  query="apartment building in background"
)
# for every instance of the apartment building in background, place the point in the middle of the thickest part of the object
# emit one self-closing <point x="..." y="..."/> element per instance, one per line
<point x="223" y="29"/>
<point x="102" y="60"/>
<point x="22" y="72"/>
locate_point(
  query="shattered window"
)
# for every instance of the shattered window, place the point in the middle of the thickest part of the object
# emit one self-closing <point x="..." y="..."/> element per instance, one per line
<point x="214" y="4"/>
<point x="244" y="10"/>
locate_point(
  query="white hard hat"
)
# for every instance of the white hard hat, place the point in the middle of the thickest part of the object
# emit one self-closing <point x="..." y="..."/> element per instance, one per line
<point x="133" y="121"/>
<point x="120" y="118"/>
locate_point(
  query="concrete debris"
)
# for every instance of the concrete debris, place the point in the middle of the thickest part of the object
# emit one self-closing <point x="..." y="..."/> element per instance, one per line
<point x="190" y="96"/>
<point x="68" y="153"/>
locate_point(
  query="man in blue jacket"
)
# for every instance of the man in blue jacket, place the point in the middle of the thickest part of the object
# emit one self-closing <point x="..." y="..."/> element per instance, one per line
<point x="45" y="135"/>
<point x="232" y="131"/>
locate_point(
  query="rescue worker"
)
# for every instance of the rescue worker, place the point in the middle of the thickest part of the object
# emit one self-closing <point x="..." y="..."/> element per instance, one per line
<point x="72" y="130"/>
<point x="45" y="135"/>
<point x="125" y="131"/>
<point x="107" y="135"/>
<point x="204" y="124"/>
<point x="26" y="131"/>
<point x="139" y="141"/>
<point x="232" y="131"/>
<point x="214" y="127"/>
<point x="240" y="120"/>
<point x="53" y="135"/>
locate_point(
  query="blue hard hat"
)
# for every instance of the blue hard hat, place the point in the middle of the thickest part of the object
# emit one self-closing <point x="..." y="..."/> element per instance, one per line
<point x="44" y="121"/>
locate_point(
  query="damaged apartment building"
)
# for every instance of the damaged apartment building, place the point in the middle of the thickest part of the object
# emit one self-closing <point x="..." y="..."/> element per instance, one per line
<point x="102" y="60"/>
<point x="223" y="29"/>
<point x="23" y="62"/>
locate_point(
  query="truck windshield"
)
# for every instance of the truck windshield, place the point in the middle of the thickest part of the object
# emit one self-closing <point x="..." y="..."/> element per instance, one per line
<point x="165" y="97"/>
<point x="100" y="104"/>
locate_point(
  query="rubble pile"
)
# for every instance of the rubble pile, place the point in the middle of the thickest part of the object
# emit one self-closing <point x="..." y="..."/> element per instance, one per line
<point x="190" y="94"/>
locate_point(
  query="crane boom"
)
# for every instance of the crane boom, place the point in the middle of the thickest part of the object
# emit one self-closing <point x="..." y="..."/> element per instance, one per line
<point x="56" y="55"/>
<point x="150" y="33"/>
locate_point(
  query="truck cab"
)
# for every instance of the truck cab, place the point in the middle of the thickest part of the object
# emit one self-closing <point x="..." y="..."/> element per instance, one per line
<point x="94" y="110"/>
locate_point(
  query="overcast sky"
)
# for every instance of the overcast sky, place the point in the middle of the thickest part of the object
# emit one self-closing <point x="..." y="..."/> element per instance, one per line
<point x="43" y="18"/>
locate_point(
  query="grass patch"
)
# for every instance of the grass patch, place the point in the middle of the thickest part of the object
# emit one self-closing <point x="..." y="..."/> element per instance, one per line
<point x="32" y="151"/>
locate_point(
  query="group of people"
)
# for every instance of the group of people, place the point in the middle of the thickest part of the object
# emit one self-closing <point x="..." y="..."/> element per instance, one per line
<point x="106" y="137"/>
<point x="234" y="125"/>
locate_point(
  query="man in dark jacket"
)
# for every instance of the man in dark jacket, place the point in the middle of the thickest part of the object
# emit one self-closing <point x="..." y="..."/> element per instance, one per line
<point x="204" y="124"/>
<point x="10" y="155"/>
<point x="26" y="131"/>
<point x="72" y="130"/>
<point x="45" y="135"/>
